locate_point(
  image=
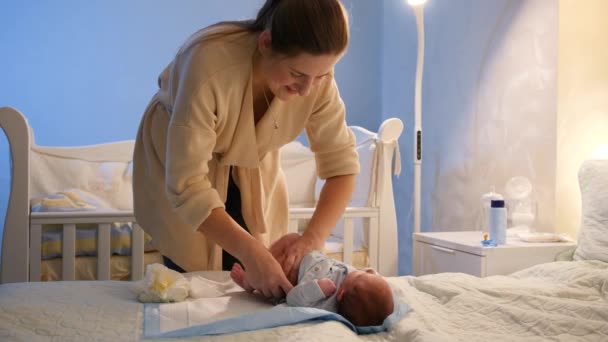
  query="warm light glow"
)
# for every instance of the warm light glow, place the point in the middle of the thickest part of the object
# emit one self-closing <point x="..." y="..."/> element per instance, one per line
<point x="416" y="2"/>
<point x="601" y="152"/>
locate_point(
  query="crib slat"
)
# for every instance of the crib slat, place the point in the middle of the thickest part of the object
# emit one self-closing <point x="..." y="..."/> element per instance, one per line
<point x="137" y="253"/>
<point x="103" y="251"/>
<point x="373" y="243"/>
<point x="68" y="252"/>
<point x="35" y="251"/>
<point x="347" y="252"/>
<point x="293" y="225"/>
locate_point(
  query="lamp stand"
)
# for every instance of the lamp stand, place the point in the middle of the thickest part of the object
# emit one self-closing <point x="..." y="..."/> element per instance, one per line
<point x="418" y="11"/>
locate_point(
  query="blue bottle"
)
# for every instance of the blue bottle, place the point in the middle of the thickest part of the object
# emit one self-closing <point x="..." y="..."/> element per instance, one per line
<point x="498" y="222"/>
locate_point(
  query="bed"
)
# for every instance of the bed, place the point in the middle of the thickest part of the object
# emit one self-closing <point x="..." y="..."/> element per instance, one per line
<point x="561" y="301"/>
<point x="70" y="212"/>
<point x="558" y="301"/>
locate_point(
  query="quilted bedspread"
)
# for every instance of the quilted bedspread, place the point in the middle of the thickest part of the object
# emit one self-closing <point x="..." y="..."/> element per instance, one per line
<point x="560" y="301"/>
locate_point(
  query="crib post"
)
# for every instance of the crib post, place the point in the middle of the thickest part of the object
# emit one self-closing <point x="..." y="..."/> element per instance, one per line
<point x="388" y="255"/>
<point x="373" y="242"/>
<point x="293" y="225"/>
<point x="15" y="241"/>
<point x="137" y="253"/>
<point x="348" y="240"/>
<point x="103" y="252"/>
<point x="35" y="251"/>
<point x="68" y="254"/>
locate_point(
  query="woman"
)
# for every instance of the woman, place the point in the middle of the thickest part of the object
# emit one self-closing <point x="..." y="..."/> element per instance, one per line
<point x="206" y="160"/>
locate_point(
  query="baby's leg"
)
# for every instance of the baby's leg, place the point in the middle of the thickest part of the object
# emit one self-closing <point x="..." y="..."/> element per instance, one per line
<point x="239" y="276"/>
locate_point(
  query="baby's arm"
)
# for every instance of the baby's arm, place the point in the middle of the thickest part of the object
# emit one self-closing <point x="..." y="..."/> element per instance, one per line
<point x="327" y="286"/>
<point x="310" y="293"/>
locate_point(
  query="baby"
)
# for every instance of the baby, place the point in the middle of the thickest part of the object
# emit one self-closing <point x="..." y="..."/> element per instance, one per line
<point x="362" y="297"/>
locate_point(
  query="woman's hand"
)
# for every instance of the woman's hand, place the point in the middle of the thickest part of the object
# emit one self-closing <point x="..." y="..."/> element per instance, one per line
<point x="265" y="274"/>
<point x="263" y="271"/>
<point x="289" y="251"/>
<point x="291" y="248"/>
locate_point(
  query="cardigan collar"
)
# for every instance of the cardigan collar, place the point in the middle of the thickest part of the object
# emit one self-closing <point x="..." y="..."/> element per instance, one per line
<point x="251" y="141"/>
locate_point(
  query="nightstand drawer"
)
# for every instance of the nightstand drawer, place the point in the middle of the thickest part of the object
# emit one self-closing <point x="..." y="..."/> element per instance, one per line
<point x="435" y="259"/>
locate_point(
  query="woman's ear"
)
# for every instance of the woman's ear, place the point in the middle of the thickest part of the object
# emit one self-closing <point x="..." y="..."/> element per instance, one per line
<point x="265" y="42"/>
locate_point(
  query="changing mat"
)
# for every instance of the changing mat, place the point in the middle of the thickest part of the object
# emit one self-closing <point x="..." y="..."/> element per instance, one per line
<point x="213" y="316"/>
<point x="238" y="311"/>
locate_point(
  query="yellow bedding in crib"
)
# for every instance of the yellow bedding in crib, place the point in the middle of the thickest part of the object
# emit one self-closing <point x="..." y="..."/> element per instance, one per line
<point x="85" y="267"/>
<point x="75" y="200"/>
<point x="86" y="240"/>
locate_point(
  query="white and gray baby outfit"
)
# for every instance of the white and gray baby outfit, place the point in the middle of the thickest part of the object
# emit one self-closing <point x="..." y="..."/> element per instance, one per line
<point x="316" y="265"/>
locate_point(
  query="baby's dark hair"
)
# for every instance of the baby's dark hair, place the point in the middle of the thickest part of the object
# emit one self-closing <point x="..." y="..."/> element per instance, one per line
<point x="366" y="307"/>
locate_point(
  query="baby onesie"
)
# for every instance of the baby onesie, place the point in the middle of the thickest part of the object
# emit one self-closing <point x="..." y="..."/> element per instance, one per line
<point x="316" y="265"/>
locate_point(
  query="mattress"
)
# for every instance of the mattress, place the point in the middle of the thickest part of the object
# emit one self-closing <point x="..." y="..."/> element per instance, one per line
<point x="560" y="301"/>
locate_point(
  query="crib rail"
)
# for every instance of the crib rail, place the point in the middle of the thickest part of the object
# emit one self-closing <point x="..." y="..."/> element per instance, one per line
<point x="69" y="221"/>
<point x="350" y="214"/>
<point x="103" y="220"/>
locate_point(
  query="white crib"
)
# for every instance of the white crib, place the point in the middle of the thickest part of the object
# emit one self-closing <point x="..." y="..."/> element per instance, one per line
<point x="21" y="244"/>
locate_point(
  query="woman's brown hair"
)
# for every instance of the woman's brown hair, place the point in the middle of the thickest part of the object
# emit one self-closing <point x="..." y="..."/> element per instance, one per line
<point x="317" y="27"/>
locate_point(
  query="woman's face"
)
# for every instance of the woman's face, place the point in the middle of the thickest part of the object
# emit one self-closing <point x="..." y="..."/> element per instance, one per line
<point x="288" y="77"/>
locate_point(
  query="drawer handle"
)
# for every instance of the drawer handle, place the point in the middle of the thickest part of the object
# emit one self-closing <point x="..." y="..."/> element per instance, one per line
<point x="446" y="250"/>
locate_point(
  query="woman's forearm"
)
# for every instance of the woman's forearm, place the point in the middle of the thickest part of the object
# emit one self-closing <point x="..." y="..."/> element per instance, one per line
<point x="224" y="231"/>
<point x="334" y="198"/>
<point x="263" y="271"/>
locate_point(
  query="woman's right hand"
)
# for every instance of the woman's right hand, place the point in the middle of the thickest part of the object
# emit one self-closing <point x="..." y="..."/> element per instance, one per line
<point x="263" y="271"/>
<point x="265" y="274"/>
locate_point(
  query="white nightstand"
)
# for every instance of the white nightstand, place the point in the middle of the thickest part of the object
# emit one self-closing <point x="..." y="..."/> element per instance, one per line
<point x="462" y="252"/>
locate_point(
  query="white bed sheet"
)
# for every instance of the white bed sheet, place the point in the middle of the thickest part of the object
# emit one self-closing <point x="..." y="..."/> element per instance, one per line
<point x="561" y="301"/>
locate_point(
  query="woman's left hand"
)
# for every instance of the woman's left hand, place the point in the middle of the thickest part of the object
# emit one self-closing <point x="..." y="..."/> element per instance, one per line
<point x="289" y="251"/>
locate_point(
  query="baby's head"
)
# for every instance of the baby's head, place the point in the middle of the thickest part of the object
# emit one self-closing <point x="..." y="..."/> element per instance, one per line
<point x="365" y="298"/>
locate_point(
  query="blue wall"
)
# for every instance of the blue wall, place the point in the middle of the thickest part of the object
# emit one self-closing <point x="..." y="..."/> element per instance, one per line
<point x="90" y="68"/>
<point x="83" y="71"/>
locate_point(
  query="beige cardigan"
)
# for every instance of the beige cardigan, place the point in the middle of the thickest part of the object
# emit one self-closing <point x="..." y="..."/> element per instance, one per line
<point x="200" y="123"/>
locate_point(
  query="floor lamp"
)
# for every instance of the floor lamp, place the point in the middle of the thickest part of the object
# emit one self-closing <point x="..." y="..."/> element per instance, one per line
<point x="418" y="6"/>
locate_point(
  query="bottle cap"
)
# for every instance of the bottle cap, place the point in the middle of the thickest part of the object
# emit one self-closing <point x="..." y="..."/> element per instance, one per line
<point x="497" y="204"/>
<point x="488" y="197"/>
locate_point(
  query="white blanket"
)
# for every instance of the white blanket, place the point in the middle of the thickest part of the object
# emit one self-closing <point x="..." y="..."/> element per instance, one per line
<point x="561" y="301"/>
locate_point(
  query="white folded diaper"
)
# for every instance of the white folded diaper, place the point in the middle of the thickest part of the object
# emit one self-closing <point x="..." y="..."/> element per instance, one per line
<point x="164" y="285"/>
